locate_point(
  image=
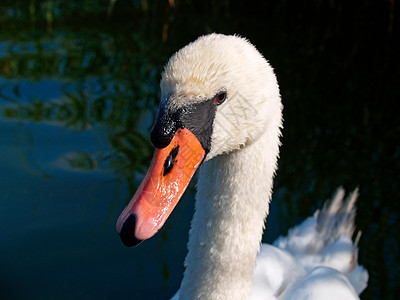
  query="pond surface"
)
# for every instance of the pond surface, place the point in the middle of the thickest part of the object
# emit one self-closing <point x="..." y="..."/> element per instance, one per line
<point x="78" y="95"/>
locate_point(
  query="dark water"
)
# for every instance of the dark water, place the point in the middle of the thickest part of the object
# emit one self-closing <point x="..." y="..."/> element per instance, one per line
<point x="78" y="93"/>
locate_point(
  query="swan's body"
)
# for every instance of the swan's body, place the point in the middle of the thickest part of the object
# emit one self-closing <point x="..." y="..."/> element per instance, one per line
<point x="240" y="138"/>
<point x="317" y="260"/>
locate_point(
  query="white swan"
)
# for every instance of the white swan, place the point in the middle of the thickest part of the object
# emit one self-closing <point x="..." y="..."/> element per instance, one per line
<point x="220" y="106"/>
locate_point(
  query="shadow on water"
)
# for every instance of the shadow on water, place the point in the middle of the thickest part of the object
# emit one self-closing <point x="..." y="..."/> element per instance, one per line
<point x="78" y="95"/>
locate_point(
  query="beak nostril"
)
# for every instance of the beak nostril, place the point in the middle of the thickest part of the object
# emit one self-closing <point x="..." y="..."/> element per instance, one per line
<point x="170" y="160"/>
<point x="127" y="233"/>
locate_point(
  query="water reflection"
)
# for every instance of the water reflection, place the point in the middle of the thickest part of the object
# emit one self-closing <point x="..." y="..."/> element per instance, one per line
<point x="111" y="97"/>
<point x="77" y="105"/>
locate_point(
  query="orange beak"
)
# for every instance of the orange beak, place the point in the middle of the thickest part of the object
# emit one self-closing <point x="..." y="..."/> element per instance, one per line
<point x="169" y="174"/>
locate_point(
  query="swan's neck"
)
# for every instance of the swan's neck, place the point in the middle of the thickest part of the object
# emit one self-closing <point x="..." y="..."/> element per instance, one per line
<point x="231" y="205"/>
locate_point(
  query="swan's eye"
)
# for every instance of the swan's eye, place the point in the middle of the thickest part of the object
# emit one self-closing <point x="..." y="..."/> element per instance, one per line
<point x="219" y="98"/>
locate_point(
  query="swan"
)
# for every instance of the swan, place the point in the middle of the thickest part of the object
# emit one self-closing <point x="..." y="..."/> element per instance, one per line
<point x="220" y="108"/>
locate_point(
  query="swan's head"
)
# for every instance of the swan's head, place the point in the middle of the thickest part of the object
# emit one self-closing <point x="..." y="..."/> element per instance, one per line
<point x="228" y="68"/>
<point x="218" y="94"/>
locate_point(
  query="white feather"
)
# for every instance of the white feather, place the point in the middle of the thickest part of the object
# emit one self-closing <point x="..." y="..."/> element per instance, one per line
<point x="318" y="259"/>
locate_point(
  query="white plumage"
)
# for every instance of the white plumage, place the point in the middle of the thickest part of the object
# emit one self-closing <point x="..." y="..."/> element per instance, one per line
<point x="318" y="259"/>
